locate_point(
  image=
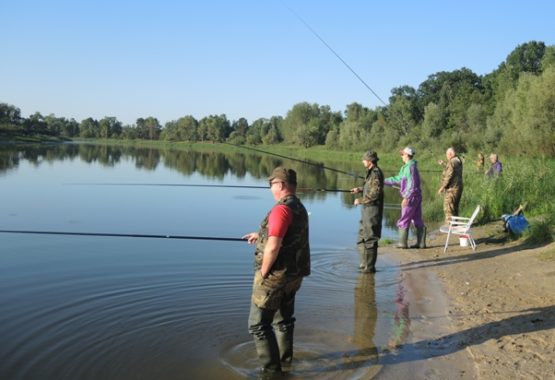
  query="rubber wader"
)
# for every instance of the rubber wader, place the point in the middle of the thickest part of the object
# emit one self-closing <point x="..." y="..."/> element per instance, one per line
<point x="420" y="238"/>
<point x="268" y="353"/>
<point x="403" y="237"/>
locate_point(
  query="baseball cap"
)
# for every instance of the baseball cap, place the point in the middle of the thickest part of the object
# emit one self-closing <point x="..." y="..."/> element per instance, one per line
<point x="370" y="155"/>
<point x="408" y="150"/>
<point x="284" y="174"/>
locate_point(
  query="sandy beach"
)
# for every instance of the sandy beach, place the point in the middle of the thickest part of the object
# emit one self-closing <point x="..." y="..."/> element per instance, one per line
<point x="484" y="314"/>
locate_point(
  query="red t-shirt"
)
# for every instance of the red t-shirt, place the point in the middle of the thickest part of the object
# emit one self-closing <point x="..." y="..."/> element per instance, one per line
<point x="279" y="221"/>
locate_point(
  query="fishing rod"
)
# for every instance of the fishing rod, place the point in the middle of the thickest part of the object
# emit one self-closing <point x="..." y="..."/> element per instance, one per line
<point x="402" y="122"/>
<point x="301" y="189"/>
<point x="321" y="166"/>
<point x="200" y="185"/>
<point x="148" y="236"/>
<point x="334" y="52"/>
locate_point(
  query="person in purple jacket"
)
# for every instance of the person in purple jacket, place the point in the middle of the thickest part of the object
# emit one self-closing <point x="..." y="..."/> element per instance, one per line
<point x="496" y="167"/>
<point x="408" y="181"/>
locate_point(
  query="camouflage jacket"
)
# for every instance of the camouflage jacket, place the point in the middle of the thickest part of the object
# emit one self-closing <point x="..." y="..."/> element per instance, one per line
<point x="452" y="174"/>
<point x="372" y="191"/>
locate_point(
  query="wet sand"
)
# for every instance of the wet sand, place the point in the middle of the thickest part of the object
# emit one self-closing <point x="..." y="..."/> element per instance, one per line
<point x="484" y="314"/>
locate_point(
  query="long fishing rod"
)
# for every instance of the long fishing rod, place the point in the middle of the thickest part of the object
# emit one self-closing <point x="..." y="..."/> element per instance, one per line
<point x="403" y="123"/>
<point x="300" y="189"/>
<point x="334" y="52"/>
<point x="350" y="69"/>
<point x="148" y="236"/>
<point x="296" y="159"/>
<point x="200" y="185"/>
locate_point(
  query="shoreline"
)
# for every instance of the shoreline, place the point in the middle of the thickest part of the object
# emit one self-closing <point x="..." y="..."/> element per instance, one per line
<point x="484" y="314"/>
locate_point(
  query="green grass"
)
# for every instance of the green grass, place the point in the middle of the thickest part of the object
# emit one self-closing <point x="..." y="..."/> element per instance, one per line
<point x="37" y="139"/>
<point x="386" y="241"/>
<point x="523" y="181"/>
<point x="529" y="182"/>
<point x="540" y="231"/>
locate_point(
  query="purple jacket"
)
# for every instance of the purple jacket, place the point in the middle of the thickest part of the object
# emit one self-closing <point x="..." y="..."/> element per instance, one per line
<point x="408" y="180"/>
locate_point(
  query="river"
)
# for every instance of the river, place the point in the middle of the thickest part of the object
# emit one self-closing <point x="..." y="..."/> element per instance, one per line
<point x="124" y="307"/>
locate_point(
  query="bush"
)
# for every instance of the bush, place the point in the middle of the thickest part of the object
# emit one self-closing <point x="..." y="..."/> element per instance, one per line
<point x="540" y="231"/>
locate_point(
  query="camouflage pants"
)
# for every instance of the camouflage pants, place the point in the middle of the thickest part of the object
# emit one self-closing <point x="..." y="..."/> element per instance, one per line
<point x="451" y="202"/>
<point x="271" y="320"/>
<point x="271" y="292"/>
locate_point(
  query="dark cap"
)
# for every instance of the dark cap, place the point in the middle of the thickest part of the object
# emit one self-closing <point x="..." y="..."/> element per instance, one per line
<point x="370" y="156"/>
<point x="284" y="174"/>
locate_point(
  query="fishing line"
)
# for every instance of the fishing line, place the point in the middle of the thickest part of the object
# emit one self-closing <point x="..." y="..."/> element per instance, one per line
<point x="162" y="184"/>
<point x="148" y="236"/>
<point x="321" y="166"/>
<point x="299" y="189"/>
<point x="334" y="52"/>
<point x="350" y="69"/>
<point x="198" y="185"/>
<point x="394" y="115"/>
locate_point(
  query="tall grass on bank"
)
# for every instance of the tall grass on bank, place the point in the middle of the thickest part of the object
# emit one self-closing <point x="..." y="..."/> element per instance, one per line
<point x="540" y="230"/>
<point x="524" y="181"/>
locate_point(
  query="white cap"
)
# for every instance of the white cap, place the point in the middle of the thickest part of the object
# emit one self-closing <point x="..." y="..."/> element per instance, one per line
<point x="408" y="150"/>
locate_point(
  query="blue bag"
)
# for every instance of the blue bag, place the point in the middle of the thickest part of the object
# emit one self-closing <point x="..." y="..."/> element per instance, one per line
<point x="515" y="224"/>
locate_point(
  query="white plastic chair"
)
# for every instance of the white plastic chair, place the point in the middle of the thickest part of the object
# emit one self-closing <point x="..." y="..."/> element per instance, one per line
<point x="459" y="225"/>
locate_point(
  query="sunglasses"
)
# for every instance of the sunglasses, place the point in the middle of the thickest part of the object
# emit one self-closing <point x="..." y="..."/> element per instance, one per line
<point x="273" y="183"/>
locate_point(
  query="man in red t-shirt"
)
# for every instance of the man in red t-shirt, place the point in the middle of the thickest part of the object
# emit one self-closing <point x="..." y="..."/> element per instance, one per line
<point x="282" y="259"/>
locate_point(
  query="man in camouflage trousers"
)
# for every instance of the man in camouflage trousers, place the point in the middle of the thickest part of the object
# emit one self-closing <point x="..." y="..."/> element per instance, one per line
<point x="370" y="230"/>
<point x="282" y="259"/>
<point x="451" y="183"/>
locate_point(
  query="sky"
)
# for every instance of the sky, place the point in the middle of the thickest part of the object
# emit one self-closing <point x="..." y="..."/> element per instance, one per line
<point x="245" y="58"/>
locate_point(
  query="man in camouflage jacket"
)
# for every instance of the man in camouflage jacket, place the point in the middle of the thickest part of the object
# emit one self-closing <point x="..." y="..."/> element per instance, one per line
<point x="372" y="199"/>
<point x="451" y="183"/>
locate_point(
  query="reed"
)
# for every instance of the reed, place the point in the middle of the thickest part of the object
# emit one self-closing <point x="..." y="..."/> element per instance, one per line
<point x="524" y="181"/>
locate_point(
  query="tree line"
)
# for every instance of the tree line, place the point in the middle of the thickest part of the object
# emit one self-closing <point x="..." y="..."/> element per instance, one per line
<point x="511" y="109"/>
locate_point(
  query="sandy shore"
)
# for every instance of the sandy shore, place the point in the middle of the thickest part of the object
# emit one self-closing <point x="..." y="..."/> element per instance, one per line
<point x="484" y="314"/>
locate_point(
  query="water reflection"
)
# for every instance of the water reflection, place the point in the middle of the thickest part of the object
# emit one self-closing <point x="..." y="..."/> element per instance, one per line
<point x="118" y="308"/>
<point x="401" y="318"/>
<point x="213" y="165"/>
<point x="365" y="313"/>
<point x="366" y="316"/>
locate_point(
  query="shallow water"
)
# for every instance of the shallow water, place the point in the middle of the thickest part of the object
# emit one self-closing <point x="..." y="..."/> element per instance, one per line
<point x="82" y="307"/>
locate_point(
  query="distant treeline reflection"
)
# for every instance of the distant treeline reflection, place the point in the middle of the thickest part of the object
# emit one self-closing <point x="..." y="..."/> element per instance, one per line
<point x="212" y="165"/>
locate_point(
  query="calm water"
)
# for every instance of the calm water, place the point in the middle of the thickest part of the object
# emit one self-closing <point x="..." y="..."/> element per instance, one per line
<point x="82" y="307"/>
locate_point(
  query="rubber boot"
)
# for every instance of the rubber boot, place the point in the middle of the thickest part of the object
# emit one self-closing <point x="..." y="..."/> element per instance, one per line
<point x="285" y="344"/>
<point x="403" y="237"/>
<point x="268" y="353"/>
<point x="361" y="255"/>
<point x="423" y="238"/>
<point x="420" y="238"/>
<point x="371" y="255"/>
